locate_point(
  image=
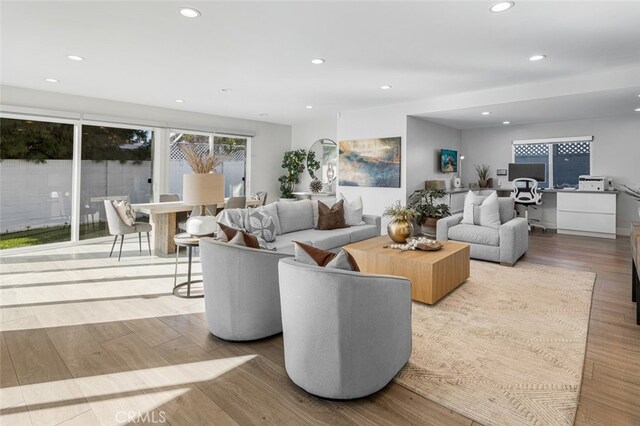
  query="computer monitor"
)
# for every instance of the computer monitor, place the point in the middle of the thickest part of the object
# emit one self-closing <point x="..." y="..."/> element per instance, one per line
<point x="527" y="170"/>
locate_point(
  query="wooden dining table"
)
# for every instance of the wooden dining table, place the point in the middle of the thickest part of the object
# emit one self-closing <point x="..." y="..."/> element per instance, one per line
<point x="162" y="217"/>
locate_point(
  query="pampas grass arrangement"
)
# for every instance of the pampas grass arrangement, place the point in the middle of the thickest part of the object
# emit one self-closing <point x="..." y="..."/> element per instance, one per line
<point x="200" y="161"/>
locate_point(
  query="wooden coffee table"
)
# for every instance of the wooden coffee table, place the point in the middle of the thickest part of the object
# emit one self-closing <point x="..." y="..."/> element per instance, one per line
<point x="433" y="274"/>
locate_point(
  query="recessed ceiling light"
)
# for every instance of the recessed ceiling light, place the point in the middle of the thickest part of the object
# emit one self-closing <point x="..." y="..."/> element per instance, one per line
<point x="309" y="107"/>
<point x="51" y="80"/>
<point x="318" y="61"/>
<point x="189" y="12"/>
<point x="506" y="122"/>
<point x="537" y="58"/>
<point x="227" y="89"/>
<point x="179" y="101"/>
<point x="385" y="87"/>
<point x="485" y="113"/>
<point x="637" y="110"/>
<point x="75" y="57"/>
<point x="501" y="6"/>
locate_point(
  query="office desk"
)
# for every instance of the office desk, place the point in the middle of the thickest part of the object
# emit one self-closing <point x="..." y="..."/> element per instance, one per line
<point x="162" y="217"/>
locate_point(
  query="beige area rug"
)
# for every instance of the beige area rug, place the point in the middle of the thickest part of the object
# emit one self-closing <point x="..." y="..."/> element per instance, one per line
<point x="505" y="348"/>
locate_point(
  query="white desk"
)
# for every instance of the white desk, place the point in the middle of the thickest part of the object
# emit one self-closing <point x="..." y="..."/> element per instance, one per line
<point x="588" y="213"/>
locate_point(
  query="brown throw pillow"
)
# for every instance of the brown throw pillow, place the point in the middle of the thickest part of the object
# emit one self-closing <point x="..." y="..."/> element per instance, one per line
<point x="315" y="256"/>
<point x="331" y="218"/>
<point x="229" y="232"/>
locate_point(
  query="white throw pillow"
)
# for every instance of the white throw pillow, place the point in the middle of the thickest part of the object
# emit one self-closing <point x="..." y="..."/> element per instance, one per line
<point x="352" y="210"/>
<point x="470" y="200"/>
<point x="490" y="212"/>
<point x="125" y="211"/>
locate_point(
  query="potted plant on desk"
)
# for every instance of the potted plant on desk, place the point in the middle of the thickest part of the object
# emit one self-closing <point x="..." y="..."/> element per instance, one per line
<point x="428" y="211"/>
<point x="483" y="175"/>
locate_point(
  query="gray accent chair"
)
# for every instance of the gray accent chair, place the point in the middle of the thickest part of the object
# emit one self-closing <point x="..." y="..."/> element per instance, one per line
<point x="505" y="245"/>
<point x="241" y="293"/>
<point x="346" y="334"/>
<point x="118" y="228"/>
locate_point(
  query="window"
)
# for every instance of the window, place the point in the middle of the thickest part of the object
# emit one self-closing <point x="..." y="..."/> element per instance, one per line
<point x="233" y="150"/>
<point x="36" y="172"/>
<point x="564" y="161"/>
<point x="116" y="165"/>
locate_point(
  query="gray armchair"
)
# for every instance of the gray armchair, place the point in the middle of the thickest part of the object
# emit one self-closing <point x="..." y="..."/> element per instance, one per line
<point x="118" y="228"/>
<point x="241" y="294"/>
<point x="346" y="334"/>
<point x="505" y="245"/>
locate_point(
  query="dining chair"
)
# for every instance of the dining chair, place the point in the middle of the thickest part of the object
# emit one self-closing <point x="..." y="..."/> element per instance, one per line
<point x="118" y="228"/>
<point x="262" y="196"/>
<point x="181" y="217"/>
<point x="236" y="203"/>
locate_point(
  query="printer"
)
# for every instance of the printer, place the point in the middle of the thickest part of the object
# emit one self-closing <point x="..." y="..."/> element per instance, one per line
<point x="592" y="183"/>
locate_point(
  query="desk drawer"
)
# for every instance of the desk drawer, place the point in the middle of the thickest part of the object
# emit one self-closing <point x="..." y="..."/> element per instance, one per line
<point x="587" y="222"/>
<point x="593" y="203"/>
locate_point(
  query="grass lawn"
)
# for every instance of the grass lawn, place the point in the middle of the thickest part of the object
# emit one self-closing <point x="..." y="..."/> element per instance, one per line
<point x="47" y="235"/>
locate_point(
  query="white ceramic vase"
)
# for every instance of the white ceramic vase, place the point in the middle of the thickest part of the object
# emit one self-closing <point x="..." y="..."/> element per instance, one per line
<point x="200" y="226"/>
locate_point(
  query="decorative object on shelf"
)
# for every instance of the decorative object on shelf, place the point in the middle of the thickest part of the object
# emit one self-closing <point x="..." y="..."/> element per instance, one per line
<point x="293" y="162"/>
<point x="370" y="162"/>
<point x="331" y="171"/>
<point x="634" y="193"/>
<point x="428" y="212"/>
<point x="202" y="188"/>
<point x="483" y="174"/>
<point x="421" y="243"/>
<point x="435" y="184"/>
<point x="448" y="161"/>
<point x="400" y="228"/>
<point x="457" y="182"/>
<point x="315" y="186"/>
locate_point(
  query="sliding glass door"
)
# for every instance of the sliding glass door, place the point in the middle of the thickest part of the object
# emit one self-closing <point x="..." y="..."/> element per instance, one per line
<point x="233" y="149"/>
<point x="177" y="161"/>
<point x="36" y="173"/>
<point x="116" y="165"/>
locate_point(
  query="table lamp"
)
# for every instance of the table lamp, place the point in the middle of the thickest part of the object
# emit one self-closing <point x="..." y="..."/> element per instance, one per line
<point x="457" y="182"/>
<point x="202" y="189"/>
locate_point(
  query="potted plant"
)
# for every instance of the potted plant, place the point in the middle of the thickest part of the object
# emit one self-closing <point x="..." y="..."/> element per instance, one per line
<point x="400" y="228"/>
<point x="428" y="212"/>
<point x="312" y="166"/>
<point x="293" y="163"/>
<point x="483" y="175"/>
<point x="634" y="193"/>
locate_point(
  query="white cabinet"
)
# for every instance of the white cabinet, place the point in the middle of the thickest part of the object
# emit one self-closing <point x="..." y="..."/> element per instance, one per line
<point x="591" y="213"/>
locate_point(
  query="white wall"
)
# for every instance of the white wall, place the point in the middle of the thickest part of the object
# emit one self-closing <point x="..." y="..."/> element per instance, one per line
<point x="303" y="135"/>
<point x="425" y="139"/>
<point x="615" y="153"/>
<point x="268" y="144"/>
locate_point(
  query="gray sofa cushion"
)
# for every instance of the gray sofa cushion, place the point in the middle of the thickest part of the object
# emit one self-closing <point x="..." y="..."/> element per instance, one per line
<point x="474" y="234"/>
<point x="295" y="215"/>
<point x="507" y="206"/>
<point x="362" y="232"/>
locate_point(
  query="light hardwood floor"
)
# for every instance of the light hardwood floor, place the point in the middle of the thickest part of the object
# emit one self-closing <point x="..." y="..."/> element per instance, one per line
<point x="87" y="340"/>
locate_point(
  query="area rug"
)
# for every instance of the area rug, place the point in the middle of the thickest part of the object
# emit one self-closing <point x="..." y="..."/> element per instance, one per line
<point x="505" y="348"/>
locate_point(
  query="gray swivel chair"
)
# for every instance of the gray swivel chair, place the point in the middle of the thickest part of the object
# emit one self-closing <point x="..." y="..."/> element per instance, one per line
<point x="118" y="228"/>
<point x="346" y="334"/>
<point x="241" y="293"/>
<point x="525" y="192"/>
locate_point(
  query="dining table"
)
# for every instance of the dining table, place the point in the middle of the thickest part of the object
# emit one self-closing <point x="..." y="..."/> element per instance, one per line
<point x="162" y="217"/>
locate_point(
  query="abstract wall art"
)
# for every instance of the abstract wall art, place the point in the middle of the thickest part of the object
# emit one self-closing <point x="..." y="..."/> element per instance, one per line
<point x="370" y="162"/>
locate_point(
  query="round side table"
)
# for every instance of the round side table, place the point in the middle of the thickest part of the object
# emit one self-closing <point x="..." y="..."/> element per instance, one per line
<point x="189" y="242"/>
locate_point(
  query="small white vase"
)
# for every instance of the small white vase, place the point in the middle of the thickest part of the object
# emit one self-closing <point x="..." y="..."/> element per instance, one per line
<point x="200" y="226"/>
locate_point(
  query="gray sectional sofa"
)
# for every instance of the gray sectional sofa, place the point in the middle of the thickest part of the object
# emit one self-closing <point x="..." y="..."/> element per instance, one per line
<point x="242" y="297"/>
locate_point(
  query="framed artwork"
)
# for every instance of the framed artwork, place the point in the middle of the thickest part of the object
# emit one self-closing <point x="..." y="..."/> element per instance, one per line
<point x="448" y="161"/>
<point x="370" y="162"/>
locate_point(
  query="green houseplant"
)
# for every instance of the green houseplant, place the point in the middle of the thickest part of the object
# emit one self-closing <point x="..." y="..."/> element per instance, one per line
<point x="293" y="162"/>
<point x="400" y="228"/>
<point x="483" y="175"/>
<point x="428" y="211"/>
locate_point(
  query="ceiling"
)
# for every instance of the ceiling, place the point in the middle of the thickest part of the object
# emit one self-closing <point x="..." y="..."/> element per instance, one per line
<point x="147" y="53"/>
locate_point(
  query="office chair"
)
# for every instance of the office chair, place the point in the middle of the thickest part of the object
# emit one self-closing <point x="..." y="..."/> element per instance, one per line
<point x="525" y="192"/>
